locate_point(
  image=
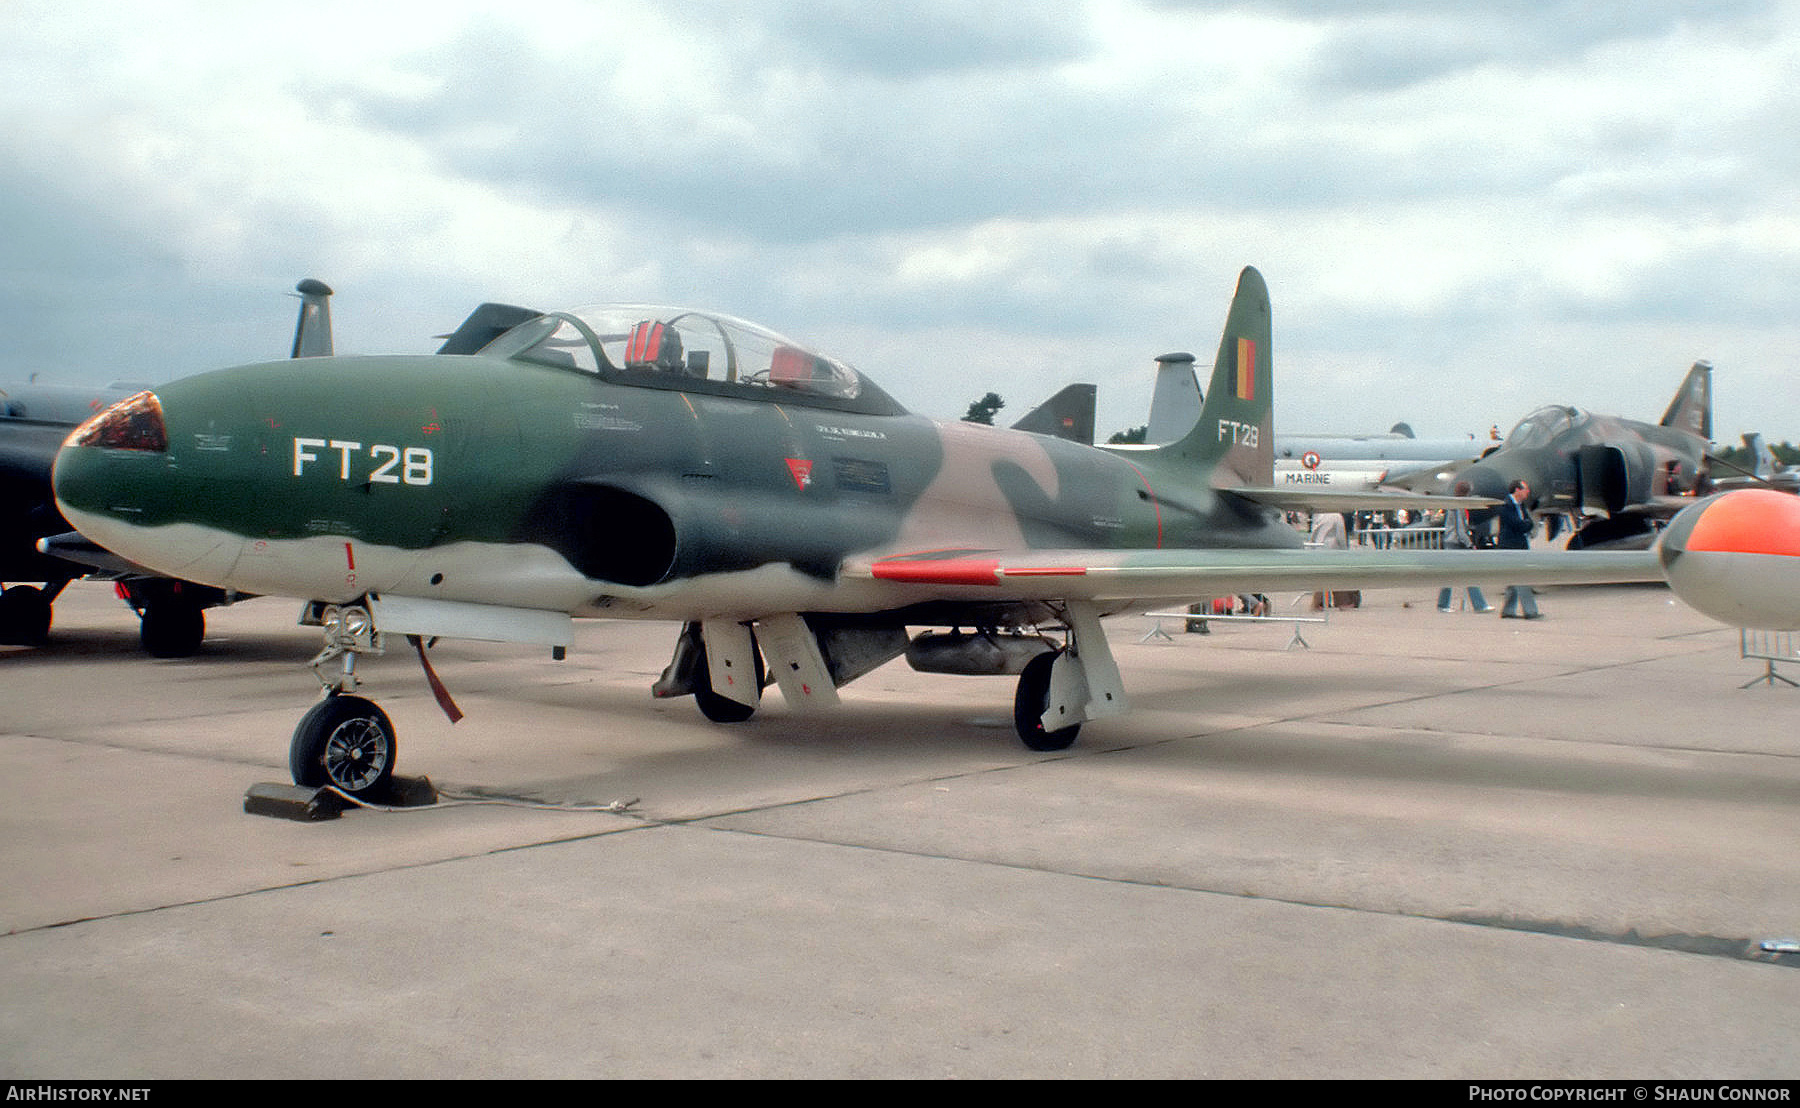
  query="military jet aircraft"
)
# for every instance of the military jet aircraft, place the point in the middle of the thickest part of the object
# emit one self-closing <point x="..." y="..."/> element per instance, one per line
<point x="1633" y="472"/>
<point x="1765" y="472"/>
<point x="36" y="543"/>
<point x="656" y="463"/>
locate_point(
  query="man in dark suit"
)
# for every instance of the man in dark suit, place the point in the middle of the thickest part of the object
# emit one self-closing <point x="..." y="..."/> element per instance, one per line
<point x="1516" y="526"/>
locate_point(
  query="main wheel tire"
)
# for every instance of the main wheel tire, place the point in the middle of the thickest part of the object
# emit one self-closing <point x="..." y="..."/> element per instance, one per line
<point x="723" y="709"/>
<point x="1029" y="702"/>
<point x="344" y="741"/>
<point x="172" y="628"/>
<point x="24" y="616"/>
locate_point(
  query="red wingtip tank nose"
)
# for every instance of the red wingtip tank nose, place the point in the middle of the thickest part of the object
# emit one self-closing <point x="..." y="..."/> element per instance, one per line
<point x="1736" y="558"/>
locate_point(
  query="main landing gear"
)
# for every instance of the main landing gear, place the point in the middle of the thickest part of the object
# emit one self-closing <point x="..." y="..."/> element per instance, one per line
<point x="25" y="614"/>
<point x="723" y="709"/>
<point x="171" y="614"/>
<point x="742" y="669"/>
<point x="1059" y="690"/>
<point x="721" y="664"/>
<point x="1031" y="703"/>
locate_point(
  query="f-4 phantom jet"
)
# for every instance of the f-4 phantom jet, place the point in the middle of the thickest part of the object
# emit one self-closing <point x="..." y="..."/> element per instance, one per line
<point x="654" y="463"/>
<point x="1635" y="473"/>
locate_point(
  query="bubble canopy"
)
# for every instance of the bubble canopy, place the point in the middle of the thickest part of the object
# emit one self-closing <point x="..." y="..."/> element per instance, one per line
<point x="691" y="351"/>
<point x="1543" y="425"/>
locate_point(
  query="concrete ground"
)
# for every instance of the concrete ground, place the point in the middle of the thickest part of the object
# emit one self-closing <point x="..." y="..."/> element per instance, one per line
<point x="1437" y="846"/>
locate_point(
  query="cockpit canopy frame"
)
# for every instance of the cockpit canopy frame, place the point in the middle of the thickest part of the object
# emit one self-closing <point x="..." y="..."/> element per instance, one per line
<point x="1543" y="426"/>
<point x="653" y="346"/>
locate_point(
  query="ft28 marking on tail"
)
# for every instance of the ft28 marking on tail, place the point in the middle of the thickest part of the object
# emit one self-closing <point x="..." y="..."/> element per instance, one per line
<point x="1238" y="434"/>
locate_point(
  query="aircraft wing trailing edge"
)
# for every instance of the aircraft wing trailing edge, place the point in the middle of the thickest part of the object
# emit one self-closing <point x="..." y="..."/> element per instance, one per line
<point x="1315" y="498"/>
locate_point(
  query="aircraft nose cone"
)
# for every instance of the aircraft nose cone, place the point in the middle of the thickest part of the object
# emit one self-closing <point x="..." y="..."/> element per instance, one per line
<point x="1481" y="480"/>
<point x="1736" y="558"/>
<point x="112" y="481"/>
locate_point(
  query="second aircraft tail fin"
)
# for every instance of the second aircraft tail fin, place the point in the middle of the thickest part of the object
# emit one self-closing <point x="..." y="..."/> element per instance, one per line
<point x="1067" y="415"/>
<point x="1691" y="410"/>
<point x="312" y="333"/>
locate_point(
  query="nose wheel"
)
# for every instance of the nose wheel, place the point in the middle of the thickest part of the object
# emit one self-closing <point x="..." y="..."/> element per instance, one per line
<point x="345" y="741"/>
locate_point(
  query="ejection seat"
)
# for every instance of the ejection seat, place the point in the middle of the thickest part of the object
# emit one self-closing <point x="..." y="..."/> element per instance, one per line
<point x="654" y="347"/>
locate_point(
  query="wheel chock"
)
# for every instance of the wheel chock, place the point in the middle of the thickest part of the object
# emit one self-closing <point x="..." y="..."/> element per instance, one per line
<point x="310" y="805"/>
<point x="295" y="802"/>
<point x="409" y="792"/>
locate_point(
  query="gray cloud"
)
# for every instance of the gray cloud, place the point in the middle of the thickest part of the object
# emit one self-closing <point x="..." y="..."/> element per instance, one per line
<point x="1382" y="45"/>
<point x="959" y="189"/>
<point x="905" y="42"/>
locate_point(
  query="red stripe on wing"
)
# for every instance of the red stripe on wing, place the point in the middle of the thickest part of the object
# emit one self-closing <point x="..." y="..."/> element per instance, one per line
<point x="940" y="571"/>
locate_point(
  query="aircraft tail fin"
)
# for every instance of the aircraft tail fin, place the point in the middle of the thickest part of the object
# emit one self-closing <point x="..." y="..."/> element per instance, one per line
<point x="1763" y="462"/>
<point x="1175" y="405"/>
<point x="1067" y="415"/>
<point x="312" y="333"/>
<point x="1691" y="410"/>
<point x="1235" y="434"/>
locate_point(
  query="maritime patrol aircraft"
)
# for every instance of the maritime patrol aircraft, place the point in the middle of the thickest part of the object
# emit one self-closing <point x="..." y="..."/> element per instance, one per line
<point x="1396" y="460"/>
<point x="1635" y="473"/>
<point x="656" y="463"/>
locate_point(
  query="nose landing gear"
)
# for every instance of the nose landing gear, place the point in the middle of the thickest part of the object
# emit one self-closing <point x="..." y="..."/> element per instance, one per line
<point x="344" y="741"/>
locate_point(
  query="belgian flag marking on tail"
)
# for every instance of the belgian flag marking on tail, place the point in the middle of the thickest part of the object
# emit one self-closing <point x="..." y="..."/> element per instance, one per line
<point x="1246" y="369"/>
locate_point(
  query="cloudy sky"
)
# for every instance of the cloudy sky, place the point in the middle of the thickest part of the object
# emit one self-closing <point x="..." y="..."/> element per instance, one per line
<point x="1463" y="210"/>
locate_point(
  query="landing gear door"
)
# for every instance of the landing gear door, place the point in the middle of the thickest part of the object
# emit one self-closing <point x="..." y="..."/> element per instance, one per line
<point x="1068" y="694"/>
<point x="799" y="667"/>
<point x="731" y="661"/>
<point x="1084" y="682"/>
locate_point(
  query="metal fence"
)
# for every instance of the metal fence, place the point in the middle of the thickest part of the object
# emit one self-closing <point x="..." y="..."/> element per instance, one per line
<point x="1769" y="647"/>
<point x="1399" y="538"/>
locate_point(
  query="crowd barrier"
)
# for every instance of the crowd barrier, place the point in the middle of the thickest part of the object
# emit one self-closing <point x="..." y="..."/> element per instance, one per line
<point x="1769" y="647"/>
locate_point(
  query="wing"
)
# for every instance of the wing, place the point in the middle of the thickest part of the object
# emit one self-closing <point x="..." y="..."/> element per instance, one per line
<point x="1312" y="498"/>
<point x="1659" y="507"/>
<point x="1119" y="577"/>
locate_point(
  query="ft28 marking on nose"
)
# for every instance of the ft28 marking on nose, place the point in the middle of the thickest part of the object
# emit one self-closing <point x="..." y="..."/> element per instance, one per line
<point x="386" y="464"/>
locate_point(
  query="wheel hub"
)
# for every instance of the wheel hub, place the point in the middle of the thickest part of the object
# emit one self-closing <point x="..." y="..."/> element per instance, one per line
<point x="355" y="754"/>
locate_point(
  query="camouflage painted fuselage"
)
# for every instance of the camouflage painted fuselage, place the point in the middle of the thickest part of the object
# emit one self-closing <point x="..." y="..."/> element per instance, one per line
<point x="503" y="481"/>
<point x="1576" y="460"/>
